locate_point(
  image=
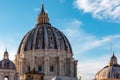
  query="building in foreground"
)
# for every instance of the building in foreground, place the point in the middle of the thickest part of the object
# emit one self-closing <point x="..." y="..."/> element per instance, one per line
<point x="109" y="72"/>
<point x="46" y="51"/>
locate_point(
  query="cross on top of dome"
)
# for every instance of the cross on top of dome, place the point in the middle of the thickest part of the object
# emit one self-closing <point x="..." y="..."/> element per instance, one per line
<point x="43" y="16"/>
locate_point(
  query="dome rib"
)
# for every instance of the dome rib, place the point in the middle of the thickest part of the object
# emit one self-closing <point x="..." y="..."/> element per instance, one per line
<point x="25" y="41"/>
<point x="61" y="41"/>
<point x="51" y="38"/>
<point x="40" y="38"/>
<point x="66" y="44"/>
<point x="29" y="41"/>
<point x="69" y="49"/>
<point x="45" y="37"/>
<point x="35" y="37"/>
<point x="56" y="38"/>
<point x="48" y="38"/>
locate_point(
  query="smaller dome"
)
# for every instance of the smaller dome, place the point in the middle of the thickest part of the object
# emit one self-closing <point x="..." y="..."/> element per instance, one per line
<point x="111" y="71"/>
<point x="113" y="60"/>
<point x="6" y="63"/>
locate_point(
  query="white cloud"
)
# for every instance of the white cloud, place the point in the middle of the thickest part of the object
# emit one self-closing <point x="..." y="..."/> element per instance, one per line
<point x="83" y="42"/>
<point x="37" y="9"/>
<point x="100" y="9"/>
<point x="77" y="36"/>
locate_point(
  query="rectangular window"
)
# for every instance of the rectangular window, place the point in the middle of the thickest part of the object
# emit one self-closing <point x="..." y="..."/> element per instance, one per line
<point x="28" y="68"/>
<point x="51" y="68"/>
<point x="39" y="68"/>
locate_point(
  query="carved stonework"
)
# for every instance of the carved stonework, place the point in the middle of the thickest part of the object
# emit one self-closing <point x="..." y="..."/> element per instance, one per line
<point x="46" y="49"/>
<point x="33" y="75"/>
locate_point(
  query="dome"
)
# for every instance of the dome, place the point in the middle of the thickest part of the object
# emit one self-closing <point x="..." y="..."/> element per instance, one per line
<point x="47" y="50"/>
<point x="6" y="63"/>
<point x="44" y="36"/>
<point x="111" y="71"/>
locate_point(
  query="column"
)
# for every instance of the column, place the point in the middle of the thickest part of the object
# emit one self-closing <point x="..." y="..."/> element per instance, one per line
<point x="11" y="78"/>
<point x="46" y="65"/>
<point x="57" y="67"/>
<point x="63" y="67"/>
<point x="68" y="67"/>
<point x="61" y="70"/>
<point x="33" y="59"/>
<point x="75" y="68"/>
<point x="71" y="68"/>
<point x="1" y="78"/>
<point x="21" y="70"/>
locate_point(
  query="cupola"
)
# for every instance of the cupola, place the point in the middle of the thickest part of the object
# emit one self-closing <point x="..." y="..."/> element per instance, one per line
<point x="113" y="60"/>
<point x="42" y="17"/>
<point x="109" y="72"/>
<point x="6" y="55"/>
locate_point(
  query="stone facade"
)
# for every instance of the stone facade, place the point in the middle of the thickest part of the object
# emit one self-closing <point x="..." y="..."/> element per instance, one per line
<point x="46" y="49"/>
<point x="33" y="75"/>
<point x="63" y="63"/>
<point x="8" y="74"/>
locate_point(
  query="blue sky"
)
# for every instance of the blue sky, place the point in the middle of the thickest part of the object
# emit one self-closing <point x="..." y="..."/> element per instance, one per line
<point x="90" y="25"/>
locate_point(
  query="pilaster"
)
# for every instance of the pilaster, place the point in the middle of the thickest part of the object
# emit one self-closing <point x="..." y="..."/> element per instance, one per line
<point x="46" y="65"/>
<point x="71" y="67"/>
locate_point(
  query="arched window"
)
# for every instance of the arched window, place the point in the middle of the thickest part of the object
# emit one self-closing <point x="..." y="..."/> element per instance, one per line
<point x="6" y="78"/>
<point x="52" y="68"/>
<point x="117" y="76"/>
<point x="40" y="68"/>
<point x="28" y="68"/>
<point x="41" y="77"/>
<point x="8" y="65"/>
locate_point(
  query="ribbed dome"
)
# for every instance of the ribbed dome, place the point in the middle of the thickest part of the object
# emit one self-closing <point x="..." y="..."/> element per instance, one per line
<point x="109" y="72"/>
<point x="6" y="63"/>
<point x="44" y="36"/>
<point x="112" y="71"/>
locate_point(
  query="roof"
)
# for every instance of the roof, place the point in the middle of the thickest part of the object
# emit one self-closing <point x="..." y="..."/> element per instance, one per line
<point x="111" y="71"/>
<point x="7" y="64"/>
<point x="44" y="36"/>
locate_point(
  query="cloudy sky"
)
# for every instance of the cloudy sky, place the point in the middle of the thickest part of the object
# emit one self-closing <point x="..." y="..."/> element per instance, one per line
<point x="91" y="26"/>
